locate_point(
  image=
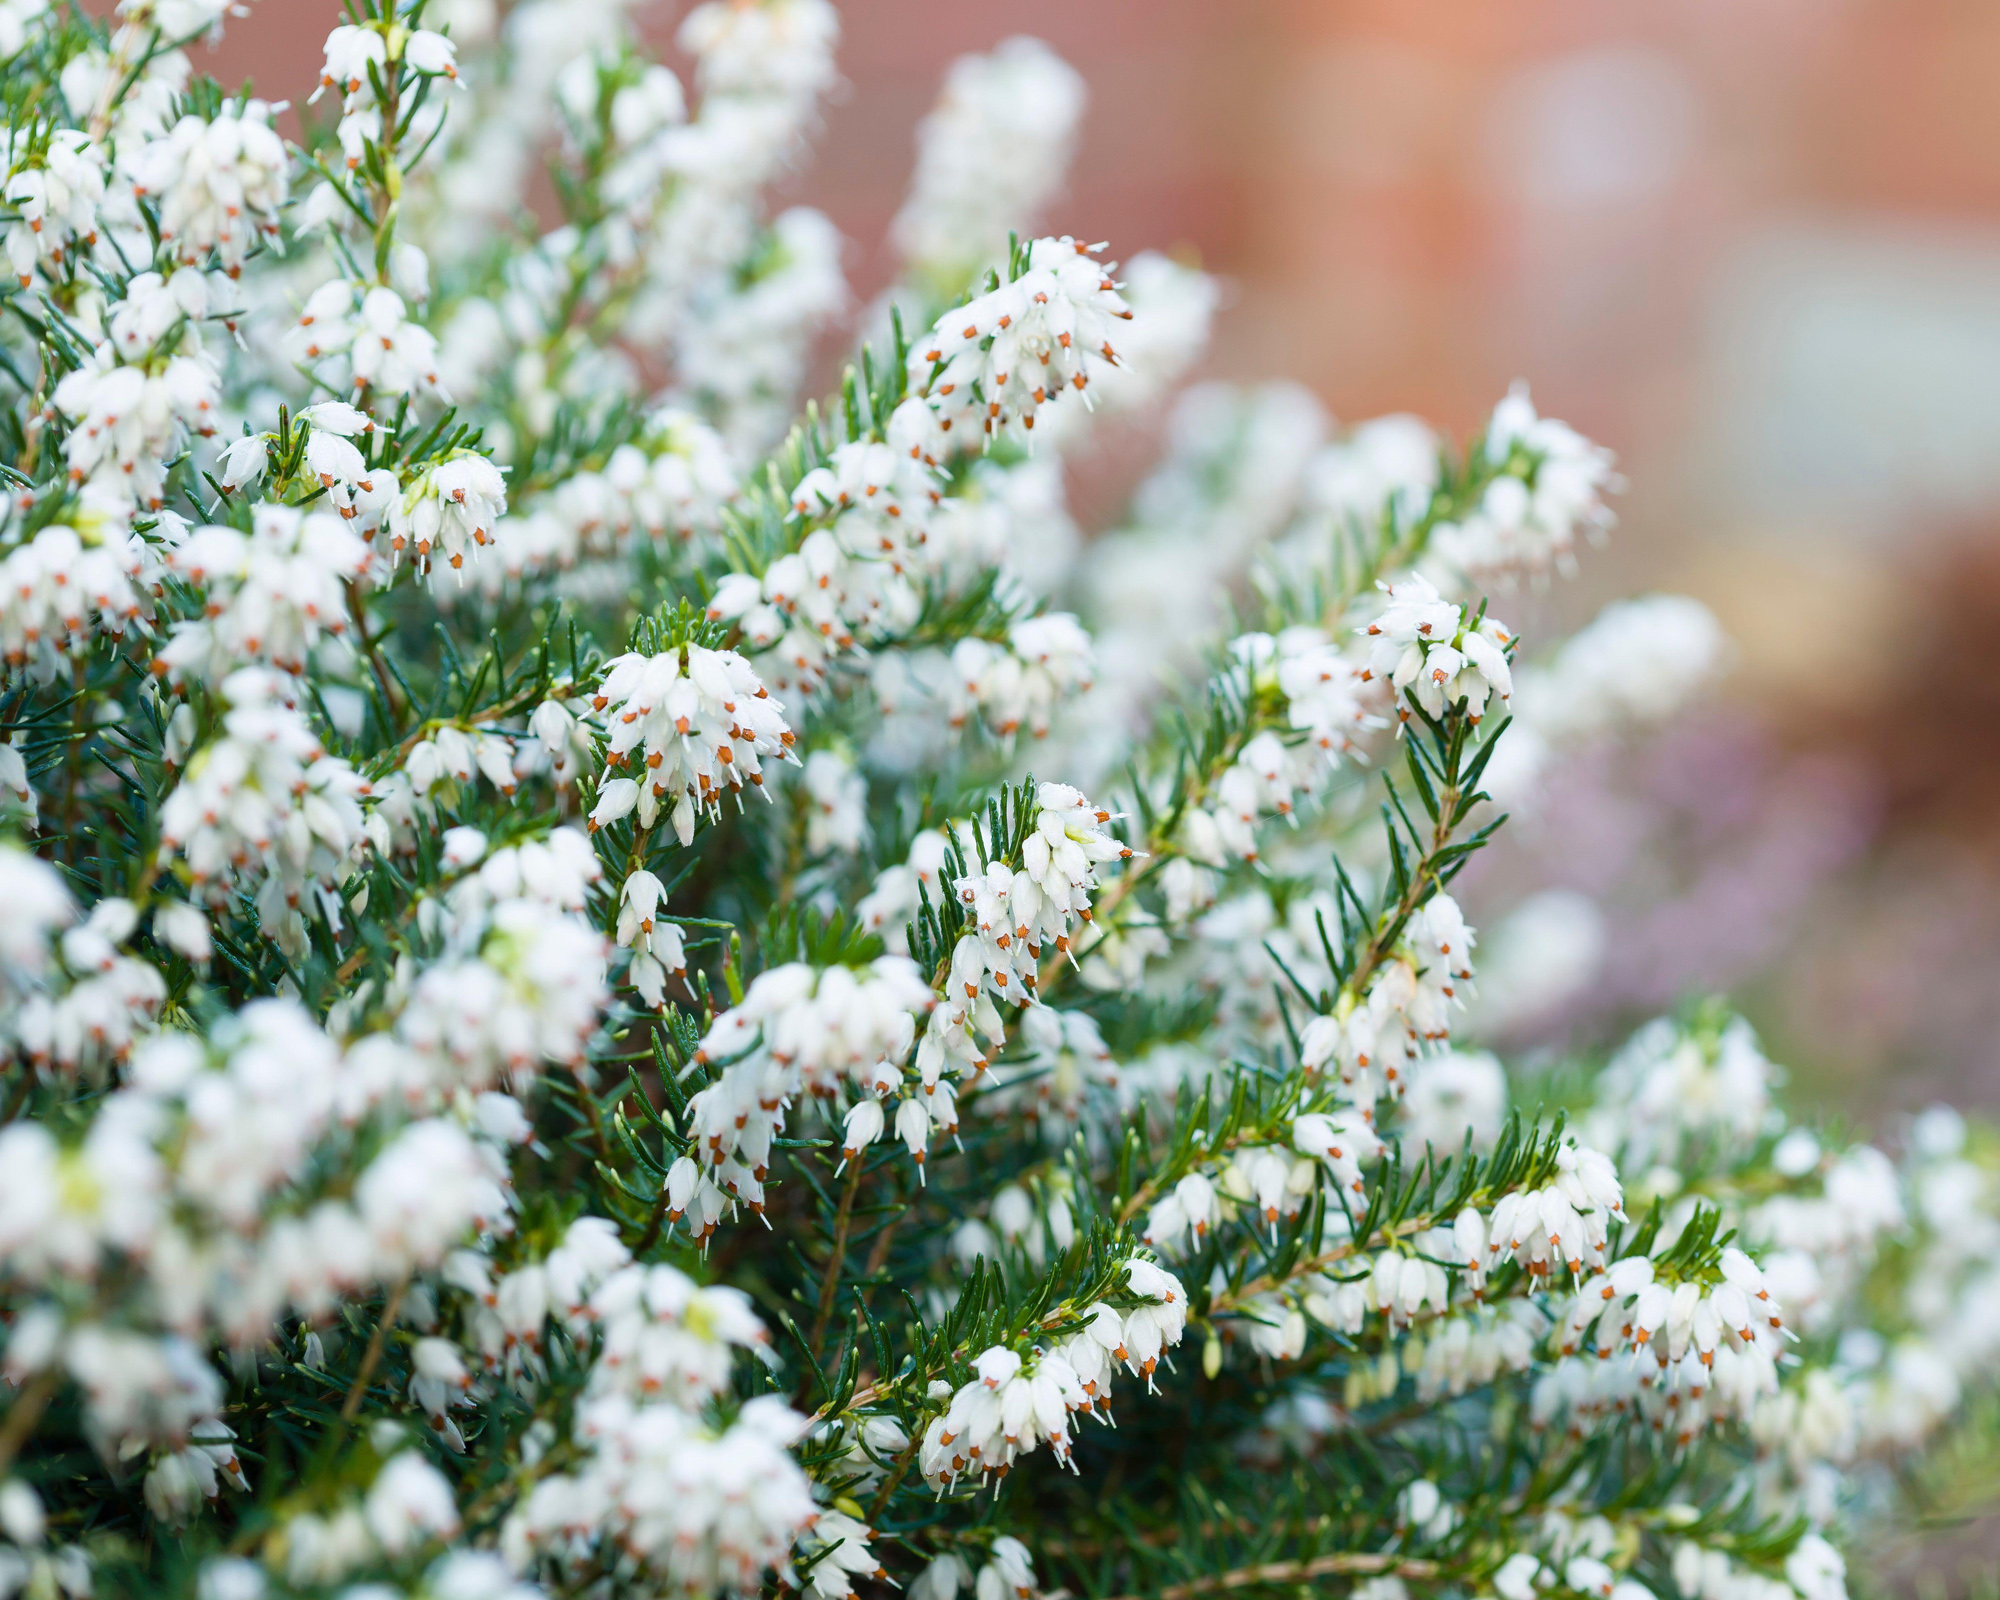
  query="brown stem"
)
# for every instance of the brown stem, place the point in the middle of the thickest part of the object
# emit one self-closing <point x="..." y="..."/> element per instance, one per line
<point x="372" y="1356"/>
<point x="73" y="757"/>
<point x="895" y="1479"/>
<point x="1272" y="1573"/>
<point x="17" y="1100"/>
<point x="357" y="607"/>
<point x="829" y="1283"/>
<point x="654" y="1224"/>
<point x="878" y="1252"/>
<point x="866" y="1395"/>
<point x="597" y="1133"/>
<point x="25" y="1412"/>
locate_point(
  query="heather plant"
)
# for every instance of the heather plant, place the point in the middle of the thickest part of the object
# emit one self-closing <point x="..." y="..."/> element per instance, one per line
<point x="618" y="982"/>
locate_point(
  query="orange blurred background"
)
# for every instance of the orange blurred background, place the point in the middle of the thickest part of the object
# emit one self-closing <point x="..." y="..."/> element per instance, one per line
<point x="1754" y="246"/>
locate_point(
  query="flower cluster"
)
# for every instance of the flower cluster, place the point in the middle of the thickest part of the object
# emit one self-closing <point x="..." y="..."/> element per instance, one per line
<point x="264" y="807"/>
<point x="1013" y="1405"/>
<point x="183" y="1175"/>
<point x="54" y="190"/>
<point x="1699" y="1353"/>
<point x="671" y="484"/>
<point x="814" y="603"/>
<point x="1424" y="644"/>
<point x="696" y="722"/>
<point x="271" y="594"/>
<point x="364" y="340"/>
<point x="364" y="62"/>
<point x="1017" y="912"/>
<point x="111" y="997"/>
<point x="1042" y="332"/>
<point x="699" y="1507"/>
<point x="1043" y="664"/>
<point x="1546" y="493"/>
<point x="522" y="979"/>
<point x="799" y="1031"/>
<point x="219" y="183"/>
<point x="61" y="586"/>
<point x="1407" y="1007"/>
<point x="132" y="404"/>
<point x="987" y="156"/>
<point x="450" y="511"/>
<point x="392" y="1011"/>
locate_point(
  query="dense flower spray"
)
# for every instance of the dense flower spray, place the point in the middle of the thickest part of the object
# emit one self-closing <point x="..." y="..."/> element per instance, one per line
<point x="623" y="981"/>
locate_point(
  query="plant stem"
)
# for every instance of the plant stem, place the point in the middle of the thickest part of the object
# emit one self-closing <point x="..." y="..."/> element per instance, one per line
<point x="597" y="1133"/>
<point x="895" y="1479"/>
<point x="372" y="1356"/>
<point x="829" y="1284"/>
<point x="25" y="1412"/>
<point x="654" y="1224"/>
<point x="1274" y="1573"/>
<point x="73" y="757"/>
<point x="357" y="607"/>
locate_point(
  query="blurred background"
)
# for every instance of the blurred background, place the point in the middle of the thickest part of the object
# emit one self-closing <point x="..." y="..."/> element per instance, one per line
<point x="1753" y="246"/>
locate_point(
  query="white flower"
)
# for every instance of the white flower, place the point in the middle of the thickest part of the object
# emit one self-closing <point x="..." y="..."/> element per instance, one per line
<point x="59" y="587"/>
<point x="1001" y="358"/>
<point x="185" y="930"/>
<point x="801" y="1030"/>
<point x="697" y="722"/>
<point x="409" y="1504"/>
<point x="530" y="983"/>
<point x="889" y="906"/>
<point x="1815" y="1569"/>
<point x="837" y="796"/>
<point x="133" y="402"/>
<point x="862" y="1126"/>
<point x="1018" y="913"/>
<point x="656" y="944"/>
<point x="1343" y="1141"/>
<point x="1007" y="1410"/>
<point x="54" y="197"/>
<point x="384" y="351"/>
<point x="1548" y="490"/>
<point x="1045" y="661"/>
<point x="266" y="806"/>
<point x="243" y="461"/>
<point x="1325" y="694"/>
<point x="425" y="1193"/>
<point x="672" y="482"/>
<point x="272" y="594"/>
<point x="449" y="510"/>
<point x="220" y="184"/>
<point x="1562" y="1223"/>
<point x="431" y="53"/>
<point x="1420" y="643"/>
